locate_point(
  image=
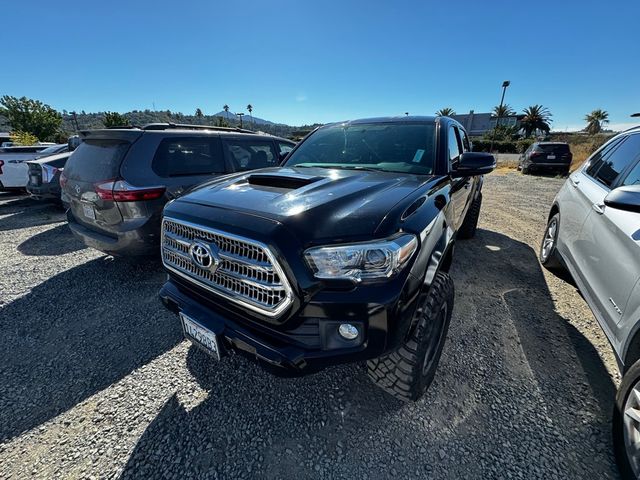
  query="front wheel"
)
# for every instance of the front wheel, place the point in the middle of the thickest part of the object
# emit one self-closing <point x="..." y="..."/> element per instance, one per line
<point x="626" y="424"/>
<point x="407" y="372"/>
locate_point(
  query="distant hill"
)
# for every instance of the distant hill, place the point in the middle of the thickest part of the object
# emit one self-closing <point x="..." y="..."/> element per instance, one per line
<point x="247" y="118"/>
<point x="92" y="120"/>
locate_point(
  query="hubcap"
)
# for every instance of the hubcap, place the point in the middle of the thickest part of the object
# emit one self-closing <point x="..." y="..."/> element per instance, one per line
<point x="631" y="429"/>
<point x="434" y="333"/>
<point x="549" y="239"/>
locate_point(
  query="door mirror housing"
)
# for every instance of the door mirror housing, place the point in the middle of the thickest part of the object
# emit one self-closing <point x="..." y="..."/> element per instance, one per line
<point x="474" y="163"/>
<point x="624" y="198"/>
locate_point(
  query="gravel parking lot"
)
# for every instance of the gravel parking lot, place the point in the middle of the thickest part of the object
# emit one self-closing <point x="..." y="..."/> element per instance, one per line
<point x="96" y="381"/>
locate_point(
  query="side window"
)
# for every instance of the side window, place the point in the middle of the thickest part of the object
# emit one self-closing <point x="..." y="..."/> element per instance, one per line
<point x="465" y="141"/>
<point x="177" y="157"/>
<point x="633" y="178"/>
<point x="454" y="146"/>
<point x="596" y="160"/>
<point x="285" y="147"/>
<point x="251" y="154"/>
<point x="616" y="161"/>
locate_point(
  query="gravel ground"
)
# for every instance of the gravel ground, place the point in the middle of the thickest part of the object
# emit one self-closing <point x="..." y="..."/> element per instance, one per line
<point x="96" y="381"/>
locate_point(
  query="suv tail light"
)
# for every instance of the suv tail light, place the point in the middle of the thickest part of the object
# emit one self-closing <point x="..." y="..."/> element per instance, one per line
<point x="122" y="191"/>
<point x="48" y="173"/>
<point x="63" y="180"/>
<point x="1" y="164"/>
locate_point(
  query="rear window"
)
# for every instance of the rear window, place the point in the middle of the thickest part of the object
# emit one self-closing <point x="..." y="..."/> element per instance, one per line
<point x="188" y="156"/>
<point x="251" y="154"/>
<point x="554" y="148"/>
<point x="96" y="160"/>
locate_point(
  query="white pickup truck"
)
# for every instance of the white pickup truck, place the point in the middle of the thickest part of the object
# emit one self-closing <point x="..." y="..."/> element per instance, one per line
<point x="14" y="172"/>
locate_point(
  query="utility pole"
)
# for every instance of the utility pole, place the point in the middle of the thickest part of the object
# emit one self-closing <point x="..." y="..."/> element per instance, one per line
<point x="505" y="84"/>
<point x="240" y="115"/>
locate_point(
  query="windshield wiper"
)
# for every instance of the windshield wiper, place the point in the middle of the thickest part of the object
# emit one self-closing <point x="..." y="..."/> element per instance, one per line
<point x="356" y="167"/>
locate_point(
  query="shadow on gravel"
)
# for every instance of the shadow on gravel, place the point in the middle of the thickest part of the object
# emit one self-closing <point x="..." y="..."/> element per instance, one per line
<point x="24" y="212"/>
<point x="75" y="334"/>
<point x="512" y="394"/>
<point x="54" y="241"/>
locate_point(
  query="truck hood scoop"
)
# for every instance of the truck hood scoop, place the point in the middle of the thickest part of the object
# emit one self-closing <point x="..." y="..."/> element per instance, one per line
<point x="287" y="182"/>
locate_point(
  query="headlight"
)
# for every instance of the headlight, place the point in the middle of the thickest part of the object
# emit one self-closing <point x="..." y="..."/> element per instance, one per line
<point x="362" y="261"/>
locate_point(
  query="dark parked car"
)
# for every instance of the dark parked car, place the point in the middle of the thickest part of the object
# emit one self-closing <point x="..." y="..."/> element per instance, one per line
<point x="540" y="156"/>
<point x="342" y="254"/>
<point x="44" y="176"/>
<point x="118" y="180"/>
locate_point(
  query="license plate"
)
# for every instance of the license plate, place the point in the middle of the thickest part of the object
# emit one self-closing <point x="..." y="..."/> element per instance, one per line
<point x="201" y="336"/>
<point x="88" y="211"/>
<point x="551" y="157"/>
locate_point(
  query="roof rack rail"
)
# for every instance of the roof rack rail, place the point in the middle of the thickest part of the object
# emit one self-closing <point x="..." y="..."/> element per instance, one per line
<point x="167" y="126"/>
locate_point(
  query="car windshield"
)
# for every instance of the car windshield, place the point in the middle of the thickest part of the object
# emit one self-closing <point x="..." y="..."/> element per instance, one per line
<point x="50" y="150"/>
<point x="391" y="147"/>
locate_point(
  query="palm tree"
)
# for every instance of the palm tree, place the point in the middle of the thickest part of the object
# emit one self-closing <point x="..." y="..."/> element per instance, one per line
<point x="503" y="110"/>
<point x="536" y="118"/>
<point x="250" y="108"/>
<point x="596" y="120"/>
<point x="226" y="109"/>
<point x="446" y="112"/>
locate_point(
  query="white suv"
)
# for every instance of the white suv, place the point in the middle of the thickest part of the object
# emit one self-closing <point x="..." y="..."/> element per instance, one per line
<point x="594" y="232"/>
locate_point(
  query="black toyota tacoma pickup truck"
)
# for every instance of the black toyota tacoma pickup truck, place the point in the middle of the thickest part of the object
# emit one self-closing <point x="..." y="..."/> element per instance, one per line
<point x="341" y="254"/>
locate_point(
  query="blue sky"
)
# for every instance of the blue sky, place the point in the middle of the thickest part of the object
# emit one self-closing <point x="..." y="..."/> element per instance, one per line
<point x="304" y="62"/>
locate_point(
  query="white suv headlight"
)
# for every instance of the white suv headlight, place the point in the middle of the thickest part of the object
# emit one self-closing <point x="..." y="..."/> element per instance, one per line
<point x="362" y="261"/>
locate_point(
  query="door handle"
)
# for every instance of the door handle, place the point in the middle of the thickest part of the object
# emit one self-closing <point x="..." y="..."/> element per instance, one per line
<point x="574" y="182"/>
<point x="598" y="207"/>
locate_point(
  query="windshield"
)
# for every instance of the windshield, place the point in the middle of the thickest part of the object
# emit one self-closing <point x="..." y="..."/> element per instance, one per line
<point x="390" y="147"/>
<point x="50" y="150"/>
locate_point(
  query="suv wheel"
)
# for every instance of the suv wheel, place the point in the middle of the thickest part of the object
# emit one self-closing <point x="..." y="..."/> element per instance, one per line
<point x="470" y="222"/>
<point x="548" y="253"/>
<point x="626" y="423"/>
<point x="525" y="170"/>
<point x="407" y="372"/>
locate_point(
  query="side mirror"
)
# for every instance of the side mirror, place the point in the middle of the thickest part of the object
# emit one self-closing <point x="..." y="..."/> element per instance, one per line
<point x="624" y="198"/>
<point x="474" y="163"/>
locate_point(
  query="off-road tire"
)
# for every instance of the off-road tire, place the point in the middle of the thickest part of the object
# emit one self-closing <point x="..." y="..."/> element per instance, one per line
<point x="407" y="372"/>
<point x="525" y="170"/>
<point x="551" y="260"/>
<point x="470" y="222"/>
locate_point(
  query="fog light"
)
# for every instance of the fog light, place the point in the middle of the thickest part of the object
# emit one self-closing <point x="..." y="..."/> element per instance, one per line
<point x="348" y="331"/>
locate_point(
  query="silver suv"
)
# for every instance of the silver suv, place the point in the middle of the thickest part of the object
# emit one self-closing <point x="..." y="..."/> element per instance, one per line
<point x="594" y="232"/>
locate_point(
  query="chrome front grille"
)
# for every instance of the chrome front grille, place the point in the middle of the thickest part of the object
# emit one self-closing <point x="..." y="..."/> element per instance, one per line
<point x="247" y="272"/>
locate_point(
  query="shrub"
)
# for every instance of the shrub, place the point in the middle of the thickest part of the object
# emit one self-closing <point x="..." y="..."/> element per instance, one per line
<point x="23" y="138"/>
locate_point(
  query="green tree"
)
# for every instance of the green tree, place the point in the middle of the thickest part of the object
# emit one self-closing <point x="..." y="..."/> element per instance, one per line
<point x="596" y="120"/>
<point x="31" y="116"/>
<point x="199" y="113"/>
<point x="221" y="122"/>
<point x="536" y="118"/>
<point x="226" y="109"/>
<point x="446" y="112"/>
<point x="23" y="138"/>
<point x="114" y="119"/>
<point x="503" y="110"/>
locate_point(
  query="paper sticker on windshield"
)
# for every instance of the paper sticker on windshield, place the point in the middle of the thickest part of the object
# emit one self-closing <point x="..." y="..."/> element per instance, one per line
<point x="418" y="156"/>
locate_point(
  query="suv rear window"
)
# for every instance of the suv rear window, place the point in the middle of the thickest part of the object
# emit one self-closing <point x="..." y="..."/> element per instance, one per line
<point x="186" y="156"/>
<point x="96" y="160"/>
<point x="559" y="148"/>
<point x="251" y="154"/>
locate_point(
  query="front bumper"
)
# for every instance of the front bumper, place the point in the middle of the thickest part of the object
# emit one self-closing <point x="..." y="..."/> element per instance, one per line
<point x="311" y="342"/>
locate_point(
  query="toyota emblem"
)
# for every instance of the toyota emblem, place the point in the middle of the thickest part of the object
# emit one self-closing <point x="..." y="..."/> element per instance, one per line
<point x="204" y="256"/>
